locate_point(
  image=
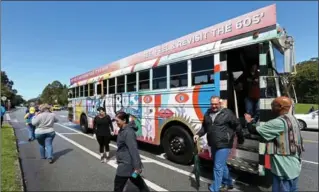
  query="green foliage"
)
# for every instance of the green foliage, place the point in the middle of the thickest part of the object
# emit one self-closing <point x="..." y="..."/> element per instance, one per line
<point x="8" y="91"/>
<point x="55" y="93"/>
<point x="306" y="81"/>
<point x="302" y="108"/>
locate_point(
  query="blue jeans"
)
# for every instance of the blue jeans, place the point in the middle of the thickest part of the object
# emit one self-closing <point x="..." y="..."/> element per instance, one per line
<point x="45" y="142"/>
<point x="221" y="172"/>
<point x="283" y="185"/>
<point x="252" y="108"/>
<point x="31" y="130"/>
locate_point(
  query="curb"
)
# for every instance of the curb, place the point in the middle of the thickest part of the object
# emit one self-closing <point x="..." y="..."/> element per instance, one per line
<point x="21" y="175"/>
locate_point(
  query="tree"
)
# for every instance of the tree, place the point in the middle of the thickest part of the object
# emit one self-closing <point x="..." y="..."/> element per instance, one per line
<point x="8" y="91"/>
<point x="306" y="81"/>
<point x="55" y="92"/>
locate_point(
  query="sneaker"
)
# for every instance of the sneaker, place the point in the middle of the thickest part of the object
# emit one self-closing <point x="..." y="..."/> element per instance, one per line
<point x="50" y="161"/>
<point x="226" y="188"/>
<point x="102" y="159"/>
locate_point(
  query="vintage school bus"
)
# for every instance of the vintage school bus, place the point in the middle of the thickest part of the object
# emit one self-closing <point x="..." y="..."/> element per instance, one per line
<point x="166" y="89"/>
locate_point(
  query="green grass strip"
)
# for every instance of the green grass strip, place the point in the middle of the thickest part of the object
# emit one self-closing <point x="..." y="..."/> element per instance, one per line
<point x="10" y="169"/>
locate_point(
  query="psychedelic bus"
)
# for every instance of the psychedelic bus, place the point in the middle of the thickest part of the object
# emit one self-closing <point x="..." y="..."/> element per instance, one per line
<point x="166" y="89"/>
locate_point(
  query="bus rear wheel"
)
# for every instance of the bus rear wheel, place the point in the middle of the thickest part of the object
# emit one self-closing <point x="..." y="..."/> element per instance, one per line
<point x="178" y="145"/>
<point x="84" y="124"/>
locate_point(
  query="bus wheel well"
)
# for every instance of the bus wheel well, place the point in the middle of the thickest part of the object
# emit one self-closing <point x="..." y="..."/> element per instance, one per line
<point x="175" y="123"/>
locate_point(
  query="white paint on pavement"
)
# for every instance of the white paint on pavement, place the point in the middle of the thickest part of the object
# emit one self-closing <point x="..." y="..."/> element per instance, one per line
<point x="162" y="156"/>
<point x="111" y="163"/>
<point x="63" y="116"/>
<point x="311" y="162"/>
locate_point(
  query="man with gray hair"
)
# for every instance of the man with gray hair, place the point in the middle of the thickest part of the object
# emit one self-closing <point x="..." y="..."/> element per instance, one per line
<point x="221" y="126"/>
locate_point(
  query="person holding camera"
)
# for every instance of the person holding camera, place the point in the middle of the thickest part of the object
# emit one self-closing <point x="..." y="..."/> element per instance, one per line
<point x="221" y="126"/>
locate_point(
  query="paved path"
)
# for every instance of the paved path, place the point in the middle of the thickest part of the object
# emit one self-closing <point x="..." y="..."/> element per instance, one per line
<point x="78" y="167"/>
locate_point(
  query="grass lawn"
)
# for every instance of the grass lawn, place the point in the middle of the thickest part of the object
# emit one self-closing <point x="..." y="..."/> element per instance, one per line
<point x="10" y="171"/>
<point x="302" y="108"/>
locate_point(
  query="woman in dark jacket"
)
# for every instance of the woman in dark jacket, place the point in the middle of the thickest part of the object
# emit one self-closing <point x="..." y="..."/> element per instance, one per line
<point x="127" y="155"/>
<point x="103" y="129"/>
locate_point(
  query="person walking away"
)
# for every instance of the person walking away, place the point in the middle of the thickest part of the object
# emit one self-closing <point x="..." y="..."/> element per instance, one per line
<point x="103" y="130"/>
<point x="44" y="133"/>
<point x="2" y="111"/>
<point x="31" y="128"/>
<point x="285" y="145"/>
<point x="127" y="155"/>
<point x="220" y="125"/>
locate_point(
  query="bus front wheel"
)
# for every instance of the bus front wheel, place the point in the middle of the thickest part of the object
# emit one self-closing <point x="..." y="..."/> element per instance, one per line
<point x="84" y="124"/>
<point x="178" y="145"/>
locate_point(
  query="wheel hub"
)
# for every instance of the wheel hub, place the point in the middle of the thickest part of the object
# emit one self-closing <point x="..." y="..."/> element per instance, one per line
<point x="177" y="145"/>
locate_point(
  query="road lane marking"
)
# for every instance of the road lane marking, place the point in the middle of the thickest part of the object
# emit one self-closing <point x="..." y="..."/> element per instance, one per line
<point x="309" y="141"/>
<point x="111" y="163"/>
<point x="162" y="156"/>
<point x="311" y="162"/>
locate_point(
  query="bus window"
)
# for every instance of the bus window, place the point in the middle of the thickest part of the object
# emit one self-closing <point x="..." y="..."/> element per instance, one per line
<point x="112" y="86"/>
<point x="81" y="91"/>
<point x="77" y="92"/>
<point x="92" y="89"/>
<point x="120" y="84"/>
<point x="131" y="82"/>
<point x="105" y="87"/>
<point x="99" y="89"/>
<point x="159" y="78"/>
<point x="144" y="80"/>
<point x="86" y="90"/>
<point x="203" y="70"/>
<point x="178" y="74"/>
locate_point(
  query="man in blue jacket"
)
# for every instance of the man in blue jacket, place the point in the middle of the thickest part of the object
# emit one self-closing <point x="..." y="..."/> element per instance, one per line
<point x="2" y="111"/>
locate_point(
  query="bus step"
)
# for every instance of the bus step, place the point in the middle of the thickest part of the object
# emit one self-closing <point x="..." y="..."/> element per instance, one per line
<point x="248" y="148"/>
<point x="243" y="165"/>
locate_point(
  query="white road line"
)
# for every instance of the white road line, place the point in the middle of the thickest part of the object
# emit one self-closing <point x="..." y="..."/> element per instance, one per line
<point x="111" y="163"/>
<point x="162" y="156"/>
<point x="311" y="162"/>
<point x="8" y="117"/>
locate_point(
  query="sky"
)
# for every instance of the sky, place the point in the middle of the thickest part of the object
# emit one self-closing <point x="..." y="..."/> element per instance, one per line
<point x="46" y="41"/>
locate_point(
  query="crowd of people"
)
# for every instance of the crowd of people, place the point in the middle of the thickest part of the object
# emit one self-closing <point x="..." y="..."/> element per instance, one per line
<point x="40" y="121"/>
<point x="220" y="125"/>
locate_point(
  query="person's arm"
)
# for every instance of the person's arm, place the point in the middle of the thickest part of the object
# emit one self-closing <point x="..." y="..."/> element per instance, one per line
<point x="26" y="116"/>
<point x="131" y="143"/>
<point x="94" y="125"/>
<point x="111" y="124"/>
<point x="203" y="129"/>
<point x="236" y="126"/>
<point x="36" y="120"/>
<point x="271" y="129"/>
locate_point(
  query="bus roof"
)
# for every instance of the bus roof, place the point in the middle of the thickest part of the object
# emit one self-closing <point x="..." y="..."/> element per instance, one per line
<point x="255" y="20"/>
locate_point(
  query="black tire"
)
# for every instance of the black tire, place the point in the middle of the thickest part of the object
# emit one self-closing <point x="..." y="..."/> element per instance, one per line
<point x="185" y="156"/>
<point x="84" y="124"/>
<point x="302" y="124"/>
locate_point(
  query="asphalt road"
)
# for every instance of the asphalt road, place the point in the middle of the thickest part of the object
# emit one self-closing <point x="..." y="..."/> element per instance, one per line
<point x="77" y="165"/>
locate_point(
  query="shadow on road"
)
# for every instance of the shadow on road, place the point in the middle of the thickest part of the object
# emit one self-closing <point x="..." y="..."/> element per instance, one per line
<point x="59" y="154"/>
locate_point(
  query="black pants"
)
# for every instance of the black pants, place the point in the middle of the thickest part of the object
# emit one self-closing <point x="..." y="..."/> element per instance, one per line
<point x="1" y="120"/>
<point x="104" y="142"/>
<point x="119" y="183"/>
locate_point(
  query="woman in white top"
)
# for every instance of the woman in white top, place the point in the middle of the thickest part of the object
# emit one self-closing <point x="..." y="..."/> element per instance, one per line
<point x="44" y="132"/>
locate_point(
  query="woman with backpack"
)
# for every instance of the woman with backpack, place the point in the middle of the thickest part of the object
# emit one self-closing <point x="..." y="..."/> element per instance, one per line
<point x="103" y="130"/>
